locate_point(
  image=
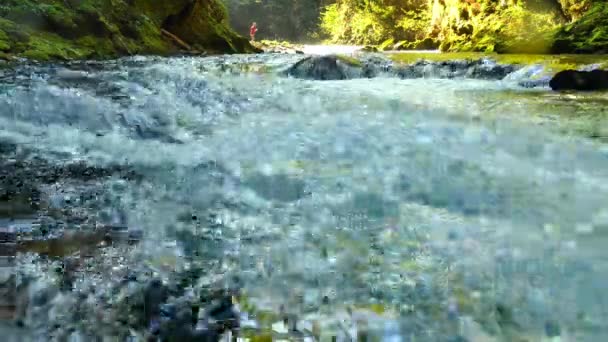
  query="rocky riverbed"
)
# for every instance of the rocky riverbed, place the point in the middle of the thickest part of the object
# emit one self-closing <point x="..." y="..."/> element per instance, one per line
<point x="194" y="198"/>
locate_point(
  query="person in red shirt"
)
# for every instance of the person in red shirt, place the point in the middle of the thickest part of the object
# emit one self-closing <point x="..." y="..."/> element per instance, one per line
<point x="253" y="30"/>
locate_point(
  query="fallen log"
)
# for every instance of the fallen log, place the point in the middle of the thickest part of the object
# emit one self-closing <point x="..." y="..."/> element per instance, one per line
<point x="176" y="39"/>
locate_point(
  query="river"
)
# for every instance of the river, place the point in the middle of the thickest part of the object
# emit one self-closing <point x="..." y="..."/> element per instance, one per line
<point x="440" y="209"/>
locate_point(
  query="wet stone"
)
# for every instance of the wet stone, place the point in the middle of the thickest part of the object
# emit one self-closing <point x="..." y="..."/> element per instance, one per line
<point x="277" y="187"/>
<point x="374" y="205"/>
<point x="552" y="329"/>
<point x="154" y="295"/>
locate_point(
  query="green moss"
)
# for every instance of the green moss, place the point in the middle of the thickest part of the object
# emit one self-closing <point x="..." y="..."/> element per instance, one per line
<point x="60" y="19"/>
<point x="150" y="36"/>
<point x="47" y="46"/>
<point x="67" y="29"/>
<point x="349" y="60"/>
<point x="99" y="47"/>
<point x="258" y="337"/>
<point x="4" y="41"/>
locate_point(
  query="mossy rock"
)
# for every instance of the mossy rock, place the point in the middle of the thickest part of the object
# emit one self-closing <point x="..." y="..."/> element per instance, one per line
<point x="74" y="29"/>
<point x="348" y="60"/>
<point x="48" y="46"/>
<point x="424" y="44"/>
<point x="205" y="25"/>
<point x="5" y="43"/>
<point x="369" y="48"/>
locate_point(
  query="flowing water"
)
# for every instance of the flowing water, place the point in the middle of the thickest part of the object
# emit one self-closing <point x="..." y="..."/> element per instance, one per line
<point x="440" y="209"/>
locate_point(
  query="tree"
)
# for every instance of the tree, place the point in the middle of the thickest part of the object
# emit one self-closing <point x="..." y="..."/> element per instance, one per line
<point x="374" y="21"/>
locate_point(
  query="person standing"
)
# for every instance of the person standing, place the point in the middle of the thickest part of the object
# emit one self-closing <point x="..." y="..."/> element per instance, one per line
<point x="253" y="30"/>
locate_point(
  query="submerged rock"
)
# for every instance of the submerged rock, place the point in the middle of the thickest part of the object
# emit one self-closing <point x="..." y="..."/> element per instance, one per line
<point x="277" y="187"/>
<point x="337" y="67"/>
<point x="580" y="80"/>
<point x="479" y="69"/>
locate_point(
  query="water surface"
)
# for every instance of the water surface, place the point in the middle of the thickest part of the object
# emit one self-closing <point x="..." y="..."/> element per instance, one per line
<point x="439" y="208"/>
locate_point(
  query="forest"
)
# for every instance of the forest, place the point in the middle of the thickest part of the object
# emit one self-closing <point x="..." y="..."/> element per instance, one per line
<point x="524" y="26"/>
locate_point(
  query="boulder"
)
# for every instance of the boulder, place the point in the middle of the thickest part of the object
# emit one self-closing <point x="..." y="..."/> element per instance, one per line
<point x="323" y="68"/>
<point x="477" y="69"/>
<point x="580" y="80"/>
<point x="339" y="67"/>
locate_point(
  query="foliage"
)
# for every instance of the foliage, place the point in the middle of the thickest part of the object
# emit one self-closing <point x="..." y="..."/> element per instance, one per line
<point x="589" y="34"/>
<point x="507" y="26"/>
<point x="483" y="25"/>
<point x="367" y="22"/>
<point x="295" y="20"/>
<point x="574" y="9"/>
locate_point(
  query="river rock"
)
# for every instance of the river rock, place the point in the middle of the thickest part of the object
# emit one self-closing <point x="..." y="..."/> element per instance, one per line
<point x="369" y="48"/>
<point x="277" y="187"/>
<point x="580" y="80"/>
<point x="323" y="68"/>
<point x="484" y="68"/>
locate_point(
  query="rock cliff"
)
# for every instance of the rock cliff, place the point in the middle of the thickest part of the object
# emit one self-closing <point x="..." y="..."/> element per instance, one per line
<point x="75" y="29"/>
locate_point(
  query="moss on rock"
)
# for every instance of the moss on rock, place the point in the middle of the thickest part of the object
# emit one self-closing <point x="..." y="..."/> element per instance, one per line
<point x="5" y="44"/>
<point x="204" y="24"/>
<point x="74" y="29"/>
<point x="348" y="60"/>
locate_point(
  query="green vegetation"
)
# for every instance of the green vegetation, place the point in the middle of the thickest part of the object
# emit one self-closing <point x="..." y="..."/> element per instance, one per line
<point x="376" y="21"/>
<point x="295" y="20"/>
<point x="589" y="34"/>
<point x="71" y="29"/>
<point x="509" y="26"/>
<point x="490" y="26"/>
